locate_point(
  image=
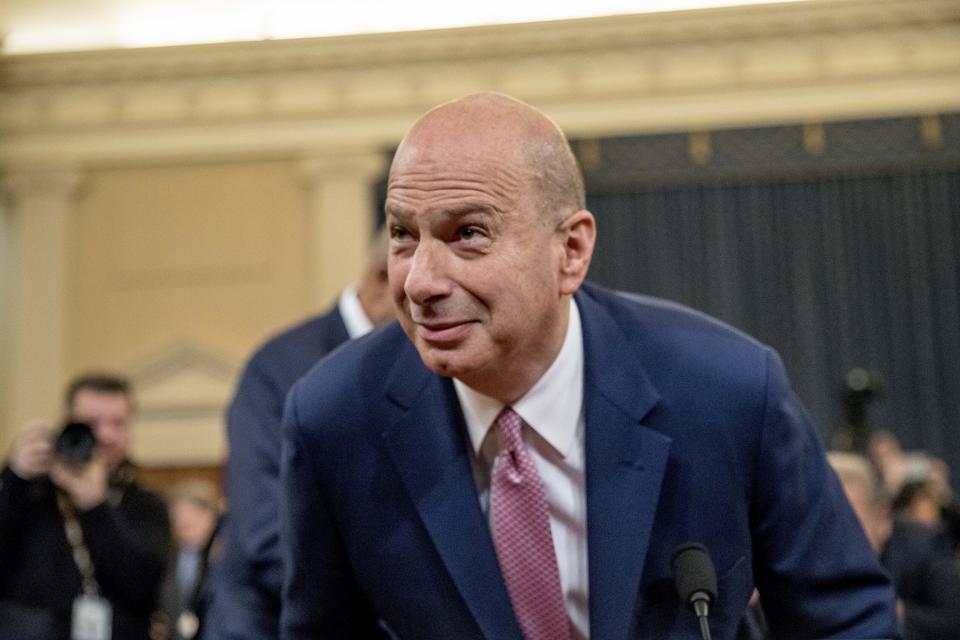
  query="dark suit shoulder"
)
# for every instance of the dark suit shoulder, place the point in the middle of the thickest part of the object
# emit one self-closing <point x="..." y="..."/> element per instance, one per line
<point x="316" y="333"/>
<point x="350" y="383"/>
<point x="654" y="318"/>
<point x="675" y="343"/>
<point x="290" y="353"/>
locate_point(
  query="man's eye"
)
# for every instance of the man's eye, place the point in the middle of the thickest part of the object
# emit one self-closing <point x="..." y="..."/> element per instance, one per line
<point x="469" y="233"/>
<point x="399" y="233"/>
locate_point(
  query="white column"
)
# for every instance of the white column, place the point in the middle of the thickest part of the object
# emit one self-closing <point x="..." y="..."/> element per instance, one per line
<point x="341" y="199"/>
<point x="6" y="340"/>
<point x="35" y="294"/>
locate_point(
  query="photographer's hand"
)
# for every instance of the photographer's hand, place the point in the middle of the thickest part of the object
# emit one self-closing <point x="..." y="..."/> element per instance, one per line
<point x="86" y="485"/>
<point x="32" y="453"/>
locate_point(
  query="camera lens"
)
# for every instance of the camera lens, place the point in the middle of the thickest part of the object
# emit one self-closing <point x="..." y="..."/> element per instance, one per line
<point x="76" y="443"/>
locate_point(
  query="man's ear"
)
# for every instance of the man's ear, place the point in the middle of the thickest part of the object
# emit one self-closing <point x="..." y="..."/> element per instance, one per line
<point x="578" y="232"/>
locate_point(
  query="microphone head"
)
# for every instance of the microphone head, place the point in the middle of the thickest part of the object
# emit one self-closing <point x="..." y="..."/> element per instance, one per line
<point x="693" y="572"/>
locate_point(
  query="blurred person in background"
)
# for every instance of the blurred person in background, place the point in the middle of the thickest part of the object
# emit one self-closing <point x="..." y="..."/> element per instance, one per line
<point x="939" y="481"/>
<point x="860" y="486"/>
<point x="916" y="555"/>
<point x="918" y="502"/>
<point x="929" y="502"/>
<point x="195" y="515"/>
<point x="82" y="545"/>
<point x="884" y="451"/>
<point x="246" y="589"/>
<point x="918" y="483"/>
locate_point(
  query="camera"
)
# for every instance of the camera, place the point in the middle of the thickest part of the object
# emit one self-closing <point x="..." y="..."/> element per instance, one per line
<point x="75" y="444"/>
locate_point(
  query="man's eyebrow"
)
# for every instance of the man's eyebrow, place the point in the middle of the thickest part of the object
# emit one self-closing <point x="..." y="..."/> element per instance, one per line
<point x="397" y="210"/>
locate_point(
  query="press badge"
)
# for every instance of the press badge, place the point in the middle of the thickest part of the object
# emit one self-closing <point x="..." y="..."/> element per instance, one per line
<point x="187" y="625"/>
<point x="92" y="619"/>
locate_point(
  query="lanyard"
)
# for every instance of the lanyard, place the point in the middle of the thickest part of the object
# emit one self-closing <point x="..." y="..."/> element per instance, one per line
<point x="81" y="555"/>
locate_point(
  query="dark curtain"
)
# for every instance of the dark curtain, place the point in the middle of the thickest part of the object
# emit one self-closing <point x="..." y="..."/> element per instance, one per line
<point x="833" y="271"/>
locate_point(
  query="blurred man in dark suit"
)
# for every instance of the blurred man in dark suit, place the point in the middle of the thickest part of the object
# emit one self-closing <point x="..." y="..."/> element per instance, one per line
<point x="246" y="596"/>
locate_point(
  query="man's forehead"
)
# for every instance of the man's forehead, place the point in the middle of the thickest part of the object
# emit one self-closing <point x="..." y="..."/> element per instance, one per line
<point x="489" y="143"/>
<point x="86" y="397"/>
<point x="444" y="163"/>
<point x="457" y="151"/>
<point x="458" y="186"/>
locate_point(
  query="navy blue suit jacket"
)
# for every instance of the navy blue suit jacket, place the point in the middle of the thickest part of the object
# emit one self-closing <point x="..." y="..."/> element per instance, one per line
<point x="692" y="434"/>
<point x="247" y="582"/>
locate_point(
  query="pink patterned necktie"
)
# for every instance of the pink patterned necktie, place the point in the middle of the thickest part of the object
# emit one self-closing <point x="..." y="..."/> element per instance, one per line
<point x="521" y="534"/>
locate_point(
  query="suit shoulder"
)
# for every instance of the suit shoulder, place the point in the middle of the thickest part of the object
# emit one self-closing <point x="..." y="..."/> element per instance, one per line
<point x="312" y="333"/>
<point x="659" y="319"/>
<point x="683" y="349"/>
<point x="288" y="354"/>
<point x="345" y="381"/>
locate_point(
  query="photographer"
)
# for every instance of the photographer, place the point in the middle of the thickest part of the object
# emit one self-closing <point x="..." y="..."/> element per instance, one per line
<point x="82" y="545"/>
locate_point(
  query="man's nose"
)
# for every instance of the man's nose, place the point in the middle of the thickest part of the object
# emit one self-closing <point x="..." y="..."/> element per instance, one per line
<point x="427" y="280"/>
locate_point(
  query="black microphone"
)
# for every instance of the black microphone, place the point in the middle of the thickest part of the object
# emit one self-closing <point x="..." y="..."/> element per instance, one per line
<point x="696" y="581"/>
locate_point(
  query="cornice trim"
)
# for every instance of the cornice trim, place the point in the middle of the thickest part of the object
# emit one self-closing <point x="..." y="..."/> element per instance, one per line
<point x="815" y="60"/>
<point x="486" y="43"/>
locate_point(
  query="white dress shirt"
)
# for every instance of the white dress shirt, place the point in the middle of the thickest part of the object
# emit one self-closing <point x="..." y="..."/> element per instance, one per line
<point x="351" y="311"/>
<point x="553" y="409"/>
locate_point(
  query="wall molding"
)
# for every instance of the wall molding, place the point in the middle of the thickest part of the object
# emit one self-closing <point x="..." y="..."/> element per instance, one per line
<point x="686" y="70"/>
<point x="181" y="392"/>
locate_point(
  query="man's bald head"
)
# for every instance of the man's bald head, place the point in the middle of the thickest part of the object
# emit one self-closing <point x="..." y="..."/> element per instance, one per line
<point x="502" y="128"/>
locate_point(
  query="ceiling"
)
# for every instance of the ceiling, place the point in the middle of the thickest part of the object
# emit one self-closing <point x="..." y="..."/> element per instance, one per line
<point x="33" y="26"/>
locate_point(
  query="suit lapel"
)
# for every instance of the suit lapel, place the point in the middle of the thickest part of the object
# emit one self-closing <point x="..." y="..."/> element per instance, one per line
<point x="625" y="462"/>
<point x="429" y="448"/>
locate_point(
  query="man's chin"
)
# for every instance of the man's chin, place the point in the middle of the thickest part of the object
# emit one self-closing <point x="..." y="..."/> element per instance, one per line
<point x="114" y="460"/>
<point x="451" y="363"/>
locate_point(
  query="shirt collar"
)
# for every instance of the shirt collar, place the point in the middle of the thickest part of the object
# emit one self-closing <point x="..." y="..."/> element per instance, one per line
<point x="351" y="311"/>
<point x="552" y="407"/>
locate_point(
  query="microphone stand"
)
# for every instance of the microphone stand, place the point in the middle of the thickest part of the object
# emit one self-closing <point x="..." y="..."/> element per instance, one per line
<point x="701" y="607"/>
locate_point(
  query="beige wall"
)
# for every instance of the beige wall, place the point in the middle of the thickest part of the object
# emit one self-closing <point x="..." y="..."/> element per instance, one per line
<point x="211" y="255"/>
<point x="171" y="274"/>
<point x="169" y="207"/>
<point x="209" y="258"/>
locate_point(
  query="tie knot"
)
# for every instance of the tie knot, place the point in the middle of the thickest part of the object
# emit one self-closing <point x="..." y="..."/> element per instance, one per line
<point x="509" y="429"/>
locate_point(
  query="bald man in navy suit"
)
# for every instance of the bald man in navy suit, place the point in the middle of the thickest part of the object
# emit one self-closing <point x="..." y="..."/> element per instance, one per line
<point x="648" y="426"/>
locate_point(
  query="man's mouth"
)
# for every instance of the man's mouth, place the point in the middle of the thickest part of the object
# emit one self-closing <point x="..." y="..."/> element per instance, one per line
<point x="443" y="333"/>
